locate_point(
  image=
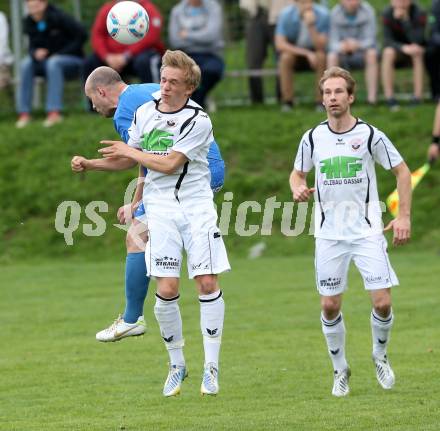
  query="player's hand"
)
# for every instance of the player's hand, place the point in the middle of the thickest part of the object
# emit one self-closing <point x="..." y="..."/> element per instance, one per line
<point x="401" y="227"/>
<point x="302" y="193"/>
<point x="115" y="149"/>
<point x="433" y="152"/>
<point x="125" y="213"/>
<point x="79" y="164"/>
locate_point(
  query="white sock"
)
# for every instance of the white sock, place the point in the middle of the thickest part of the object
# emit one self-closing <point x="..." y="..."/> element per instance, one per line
<point x="380" y="332"/>
<point x="212" y="314"/>
<point x="334" y="333"/>
<point x="168" y="317"/>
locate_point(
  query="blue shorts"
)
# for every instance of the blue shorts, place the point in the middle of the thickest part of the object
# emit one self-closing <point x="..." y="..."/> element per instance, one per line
<point x="217" y="168"/>
<point x="140" y="211"/>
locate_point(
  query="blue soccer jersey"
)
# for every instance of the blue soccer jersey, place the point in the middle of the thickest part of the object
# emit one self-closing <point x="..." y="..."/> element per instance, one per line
<point x="136" y="95"/>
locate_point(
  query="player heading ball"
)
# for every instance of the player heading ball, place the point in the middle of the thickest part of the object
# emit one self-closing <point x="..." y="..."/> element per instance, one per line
<point x="170" y="136"/>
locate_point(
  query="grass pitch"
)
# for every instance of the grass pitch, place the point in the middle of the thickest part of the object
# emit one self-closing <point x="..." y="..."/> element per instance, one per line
<point x="275" y="373"/>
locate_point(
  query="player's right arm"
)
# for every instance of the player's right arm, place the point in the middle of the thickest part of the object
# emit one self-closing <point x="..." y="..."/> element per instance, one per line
<point x="81" y="164"/>
<point x="298" y="184"/>
<point x="303" y="164"/>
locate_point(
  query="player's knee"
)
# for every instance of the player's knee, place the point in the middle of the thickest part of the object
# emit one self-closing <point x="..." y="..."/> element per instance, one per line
<point x="330" y="306"/>
<point x="167" y="288"/>
<point x="382" y="306"/>
<point x="207" y="284"/>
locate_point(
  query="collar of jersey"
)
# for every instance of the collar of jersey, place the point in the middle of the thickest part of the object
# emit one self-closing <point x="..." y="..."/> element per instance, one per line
<point x="188" y="104"/>
<point x="345" y="131"/>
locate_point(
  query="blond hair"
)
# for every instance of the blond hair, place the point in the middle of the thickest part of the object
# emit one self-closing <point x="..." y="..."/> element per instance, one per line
<point x="338" y="72"/>
<point x="179" y="60"/>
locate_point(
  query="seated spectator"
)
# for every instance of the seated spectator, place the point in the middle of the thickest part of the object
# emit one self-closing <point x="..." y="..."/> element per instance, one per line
<point x="141" y="59"/>
<point x="196" y="27"/>
<point x="5" y="53"/>
<point x="353" y="41"/>
<point x="433" y="51"/>
<point x="301" y="39"/>
<point x="404" y="39"/>
<point x="55" y="52"/>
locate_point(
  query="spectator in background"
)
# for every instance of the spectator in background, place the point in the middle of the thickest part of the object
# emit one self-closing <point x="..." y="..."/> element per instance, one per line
<point x="5" y="54"/>
<point x="141" y="59"/>
<point x="353" y="42"/>
<point x="433" y="51"/>
<point x="55" y="52"/>
<point x="261" y="17"/>
<point x="196" y="27"/>
<point x="301" y="38"/>
<point x="404" y="39"/>
<point x="258" y="38"/>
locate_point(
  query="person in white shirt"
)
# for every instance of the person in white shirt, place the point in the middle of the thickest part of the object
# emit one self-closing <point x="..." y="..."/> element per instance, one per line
<point x="348" y="223"/>
<point x="170" y="136"/>
<point x="6" y="58"/>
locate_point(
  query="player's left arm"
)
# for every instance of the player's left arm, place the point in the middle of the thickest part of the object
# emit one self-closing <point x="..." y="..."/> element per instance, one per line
<point x="165" y="164"/>
<point x="401" y="225"/>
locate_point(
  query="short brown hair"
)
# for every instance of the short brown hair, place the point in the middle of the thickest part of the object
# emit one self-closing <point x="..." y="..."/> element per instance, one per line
<point x="338" y="72"/>
<point x="180" y="60"/>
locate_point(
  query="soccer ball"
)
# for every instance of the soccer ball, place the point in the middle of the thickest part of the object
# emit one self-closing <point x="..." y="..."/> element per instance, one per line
<point x="127" y="22"/>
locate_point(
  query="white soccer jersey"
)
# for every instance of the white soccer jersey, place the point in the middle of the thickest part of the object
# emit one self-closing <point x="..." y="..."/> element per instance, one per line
<point x="188" y="131"/>
<point x="346" y="198"/>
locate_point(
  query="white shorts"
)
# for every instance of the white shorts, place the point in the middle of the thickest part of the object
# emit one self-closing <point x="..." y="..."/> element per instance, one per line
<point x="195" y="231"/>
<point x="333" y="257"/>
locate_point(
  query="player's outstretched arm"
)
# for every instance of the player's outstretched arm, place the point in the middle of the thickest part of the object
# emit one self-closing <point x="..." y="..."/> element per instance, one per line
<point x="401" y="225"/>
<point x="298" y="185"/>
<point x="81" y="164"/>
<point x="165" y="164"/>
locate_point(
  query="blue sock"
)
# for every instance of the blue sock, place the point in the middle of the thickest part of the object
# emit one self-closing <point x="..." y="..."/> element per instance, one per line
<point x="136" y="286"/>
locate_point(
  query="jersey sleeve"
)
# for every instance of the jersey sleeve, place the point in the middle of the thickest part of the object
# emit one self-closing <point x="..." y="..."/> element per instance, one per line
<point x="303" y="161"/>
<point x="195" y="137"/>
<point x="384" y="152"/>
<point x="134" y="134"/>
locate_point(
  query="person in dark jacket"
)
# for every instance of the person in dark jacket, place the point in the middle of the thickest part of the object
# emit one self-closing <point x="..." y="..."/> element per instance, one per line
<point x="433" y="51"/>
<point x="404" y="26"/>
<point x="55" y="52"/>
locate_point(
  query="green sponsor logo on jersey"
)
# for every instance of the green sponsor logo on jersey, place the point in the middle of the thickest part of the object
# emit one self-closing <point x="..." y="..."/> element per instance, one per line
<point x="341" y="167"/>
<point x="157" y="140"/>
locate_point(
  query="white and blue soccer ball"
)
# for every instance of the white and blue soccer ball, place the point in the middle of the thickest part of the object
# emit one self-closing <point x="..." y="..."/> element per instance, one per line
<point x="127" y="22"/>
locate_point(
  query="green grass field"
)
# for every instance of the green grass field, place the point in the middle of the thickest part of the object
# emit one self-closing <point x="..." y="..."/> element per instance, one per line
<point x="275" y="373"/>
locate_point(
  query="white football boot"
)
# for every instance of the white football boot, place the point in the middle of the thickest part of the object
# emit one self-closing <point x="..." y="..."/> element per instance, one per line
<point x="340" y="383"/>
<point x="384" y="372"/>
<point x="173" y="383"/>
<point x="120" y="329"/>
<point x="210" y="380"/>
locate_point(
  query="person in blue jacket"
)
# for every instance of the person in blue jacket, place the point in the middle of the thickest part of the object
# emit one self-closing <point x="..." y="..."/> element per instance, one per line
<point x="112" y="97"/>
